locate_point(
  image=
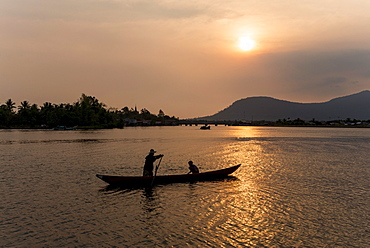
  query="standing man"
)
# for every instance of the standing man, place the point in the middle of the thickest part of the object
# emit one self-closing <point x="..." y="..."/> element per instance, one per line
<point x="149" y="162"/>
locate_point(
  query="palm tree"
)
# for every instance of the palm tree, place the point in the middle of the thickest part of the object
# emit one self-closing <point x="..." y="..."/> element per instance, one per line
<point x="24" y="105"/>
<point x="24" y="113"/>
<point x="7" y="113"/>
<point x="10" y="105"/>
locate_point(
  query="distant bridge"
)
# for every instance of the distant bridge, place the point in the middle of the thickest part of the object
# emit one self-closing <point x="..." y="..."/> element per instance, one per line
<point x="205" y="122"/>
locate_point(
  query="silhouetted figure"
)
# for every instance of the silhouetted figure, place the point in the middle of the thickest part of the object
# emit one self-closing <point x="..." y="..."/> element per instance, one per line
<point x="193" y="168"/>
<point x="149" y="163"/>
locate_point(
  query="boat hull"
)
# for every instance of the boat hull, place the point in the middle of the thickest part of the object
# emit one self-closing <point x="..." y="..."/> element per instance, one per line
<point x="149" y="181"/>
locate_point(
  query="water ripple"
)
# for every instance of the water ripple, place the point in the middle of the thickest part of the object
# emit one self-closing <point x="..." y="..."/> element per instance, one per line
<point x="306" y="191"/>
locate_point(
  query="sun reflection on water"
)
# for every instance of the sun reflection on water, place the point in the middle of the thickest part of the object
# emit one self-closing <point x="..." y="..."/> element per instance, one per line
<point x="249" y="210"/>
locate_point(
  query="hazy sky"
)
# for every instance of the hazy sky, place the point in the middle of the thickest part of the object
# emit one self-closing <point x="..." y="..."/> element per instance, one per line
<point x="182" y="56"/>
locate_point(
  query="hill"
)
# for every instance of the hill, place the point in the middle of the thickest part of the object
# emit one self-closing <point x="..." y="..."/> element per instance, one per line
<point x="356" y="106"/>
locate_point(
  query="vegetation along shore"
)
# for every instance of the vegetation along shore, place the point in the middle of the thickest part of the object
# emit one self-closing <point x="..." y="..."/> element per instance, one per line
<point x="87" y="112"/>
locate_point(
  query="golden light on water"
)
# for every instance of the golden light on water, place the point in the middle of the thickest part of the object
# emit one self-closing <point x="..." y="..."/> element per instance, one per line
<point x="247" y="206"/>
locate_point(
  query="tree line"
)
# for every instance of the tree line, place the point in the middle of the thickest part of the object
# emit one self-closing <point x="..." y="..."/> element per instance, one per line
<point x="87" y="112"/>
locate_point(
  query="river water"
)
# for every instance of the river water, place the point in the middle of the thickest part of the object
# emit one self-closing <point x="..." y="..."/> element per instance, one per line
<point x="297" y="187"/>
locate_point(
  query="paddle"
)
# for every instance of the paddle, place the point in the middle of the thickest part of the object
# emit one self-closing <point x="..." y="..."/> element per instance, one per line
<point x="156" y="169"/>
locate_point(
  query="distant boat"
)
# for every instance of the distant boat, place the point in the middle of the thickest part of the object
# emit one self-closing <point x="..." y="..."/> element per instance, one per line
<point x="205" y="127"/>
<point x="133" y="181"/>
<point x="64" y="128"/>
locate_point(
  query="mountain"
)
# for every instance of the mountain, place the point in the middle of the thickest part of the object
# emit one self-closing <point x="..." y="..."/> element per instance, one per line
<point x="356" y="106"/>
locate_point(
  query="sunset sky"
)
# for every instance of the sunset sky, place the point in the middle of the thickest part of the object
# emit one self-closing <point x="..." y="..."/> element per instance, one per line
<point x="183" y="57"/>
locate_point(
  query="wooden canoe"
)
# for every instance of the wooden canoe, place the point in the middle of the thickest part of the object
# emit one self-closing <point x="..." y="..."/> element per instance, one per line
<point x="132" y="181"/>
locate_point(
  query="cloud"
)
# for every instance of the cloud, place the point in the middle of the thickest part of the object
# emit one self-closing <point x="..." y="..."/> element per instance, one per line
<point x="333" y="81"/>
<point x="304" y="75"/>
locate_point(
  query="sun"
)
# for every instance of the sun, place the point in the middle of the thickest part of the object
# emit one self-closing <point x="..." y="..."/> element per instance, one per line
<point x="246" y="43"/>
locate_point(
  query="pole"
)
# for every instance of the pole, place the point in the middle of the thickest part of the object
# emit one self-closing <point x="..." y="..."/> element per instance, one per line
<point x="156" y="169"/>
